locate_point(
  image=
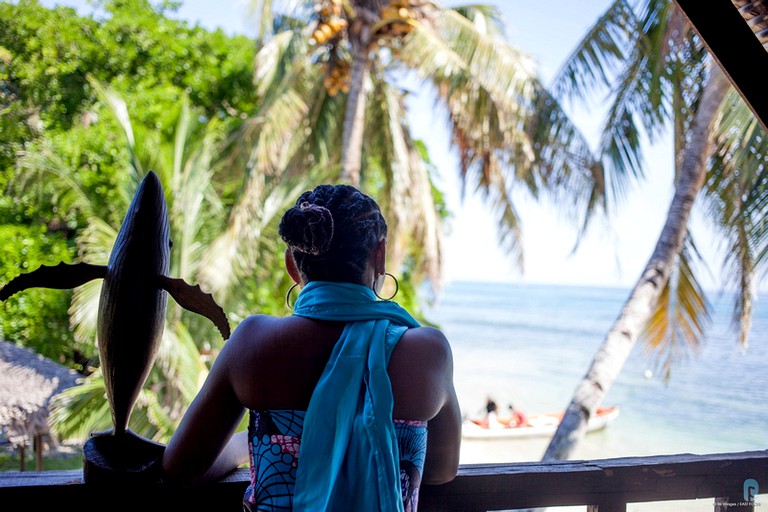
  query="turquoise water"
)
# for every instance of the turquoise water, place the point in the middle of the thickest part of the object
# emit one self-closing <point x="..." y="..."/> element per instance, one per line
<point x="531" y="344"/>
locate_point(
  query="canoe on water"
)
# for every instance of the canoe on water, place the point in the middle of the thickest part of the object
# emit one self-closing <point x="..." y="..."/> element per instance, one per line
<point x="539" y="425"/>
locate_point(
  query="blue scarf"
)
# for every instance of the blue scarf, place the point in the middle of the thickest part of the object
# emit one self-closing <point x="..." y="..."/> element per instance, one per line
<point x="349" y="456"/>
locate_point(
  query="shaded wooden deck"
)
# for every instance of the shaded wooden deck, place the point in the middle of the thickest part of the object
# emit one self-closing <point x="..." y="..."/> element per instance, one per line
<point x="606" y="485"/>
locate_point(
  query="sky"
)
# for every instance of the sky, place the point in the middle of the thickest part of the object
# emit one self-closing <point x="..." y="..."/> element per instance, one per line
<point x="611" y="254"/>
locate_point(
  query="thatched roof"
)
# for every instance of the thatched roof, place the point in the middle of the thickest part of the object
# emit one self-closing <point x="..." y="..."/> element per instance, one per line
<point x="28" y="381"/>
<point x="755" y="13"/>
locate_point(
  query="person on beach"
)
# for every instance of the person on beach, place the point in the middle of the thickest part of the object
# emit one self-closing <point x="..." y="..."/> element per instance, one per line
<point x="351" y="404"/>
<point x="516" y="417"/>
<point x="490" y="406"/>
<point x="492" y="415"/>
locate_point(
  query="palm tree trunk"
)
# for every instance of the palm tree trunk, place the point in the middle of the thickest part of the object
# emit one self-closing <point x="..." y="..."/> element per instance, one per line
<point x="618" y="343"/>
<point x="354" y="118"/>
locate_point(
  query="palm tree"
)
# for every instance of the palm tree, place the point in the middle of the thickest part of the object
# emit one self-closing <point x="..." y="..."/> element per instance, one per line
<point x="660" y="74"/>
<point x="331" y="76"/>
<point x="186" y="166"/>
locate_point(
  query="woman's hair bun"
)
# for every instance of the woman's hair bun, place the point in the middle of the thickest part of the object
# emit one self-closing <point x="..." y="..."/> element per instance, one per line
<point x="307" y="228"/>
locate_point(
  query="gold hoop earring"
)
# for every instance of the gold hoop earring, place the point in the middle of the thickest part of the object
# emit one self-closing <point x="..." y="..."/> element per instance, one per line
<point x="397" y="288"/>
<point x="288" y="296"/>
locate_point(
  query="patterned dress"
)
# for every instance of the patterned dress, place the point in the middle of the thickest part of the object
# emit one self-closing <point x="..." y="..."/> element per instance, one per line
<point x="274" y="438"/>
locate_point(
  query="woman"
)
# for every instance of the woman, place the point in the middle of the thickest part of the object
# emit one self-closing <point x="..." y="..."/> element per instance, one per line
<point x="354" y="382"/>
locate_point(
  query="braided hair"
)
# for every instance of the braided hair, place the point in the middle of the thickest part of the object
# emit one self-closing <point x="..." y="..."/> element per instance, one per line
<point x="331" y="232"/>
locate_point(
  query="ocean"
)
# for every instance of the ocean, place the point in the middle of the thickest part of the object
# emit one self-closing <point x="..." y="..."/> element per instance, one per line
<point x="531" y="344"/>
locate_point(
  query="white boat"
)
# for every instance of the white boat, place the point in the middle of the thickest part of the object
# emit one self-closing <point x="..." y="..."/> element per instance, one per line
<point x="538" y="425"/>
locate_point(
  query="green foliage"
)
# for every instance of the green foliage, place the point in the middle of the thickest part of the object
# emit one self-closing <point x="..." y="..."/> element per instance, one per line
<point x="49" y="53"/>
<point x="90" y="105"/>
<point x="49" y="108"/>
<point x="33" y="319"/>
<point x="225" y="246"/>
<point x="136" y="49"/>
<point x="46" y="56"/>
<point x="58" y="460"/>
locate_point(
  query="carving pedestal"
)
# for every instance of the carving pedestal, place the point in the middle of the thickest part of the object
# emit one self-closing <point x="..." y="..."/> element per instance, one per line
<point x="127" y="458"/>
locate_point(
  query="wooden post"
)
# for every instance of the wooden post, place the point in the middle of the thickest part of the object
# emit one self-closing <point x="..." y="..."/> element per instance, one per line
<point x="22" y="456"/>
<point x="38" y="446"/>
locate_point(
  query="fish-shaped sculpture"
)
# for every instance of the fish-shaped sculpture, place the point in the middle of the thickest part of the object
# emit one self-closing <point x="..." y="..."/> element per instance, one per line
<point x="133" y="297"/>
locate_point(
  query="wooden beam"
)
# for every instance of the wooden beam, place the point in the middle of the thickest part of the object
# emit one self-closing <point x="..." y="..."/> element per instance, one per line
<point x="626" y="480"/>
<point x="606" y="484"/>
<point x="735" y="47"/>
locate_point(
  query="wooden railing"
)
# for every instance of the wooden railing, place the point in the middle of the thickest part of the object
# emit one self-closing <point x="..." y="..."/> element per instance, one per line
<point x="602" y="485"/>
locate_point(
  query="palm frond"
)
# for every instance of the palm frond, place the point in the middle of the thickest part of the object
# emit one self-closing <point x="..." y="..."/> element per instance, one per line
<point x="276" y="16"/>
<point x="117" y="108"/>
<point x="737" y="199"/>
<point x="44" y="170"/>
<point x="620" y="139"/>
<point x="84" y="311"/>
<point x="673" y="67"/>
<point x="653" y="64"/>
<point x="237" y="250"/>
<point x="150" y="418"/>
<point x="488" y="19"/>
<point x="568" y="171"/>
<point x="157" y="416"/>
<point x="196" y="210"/>
<point x="94" y="245"/>
<point x="182" y="135"/>
<point x="676" y="327"/>
<point x="639" y="96"/>
<point x="285" y="143"/>
<point x="450" y="52"/>
<point x="406" y="197"/>
<point x="185" y="165"/>
<point x="271" y="60"/>
<point x="79" y="411"/>
<point x="289" y="82"/>
<point x="503" y="121"/>
<point x="262" y="11"/>
<point x="597" y="57"/>
<point x="180" y="365"/>
<point x="509" y="224"/>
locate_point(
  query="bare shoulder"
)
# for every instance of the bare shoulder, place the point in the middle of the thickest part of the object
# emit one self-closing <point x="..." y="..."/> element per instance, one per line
<point x="428" y="342"/>
<point x="427" y="334"/>
<point x="257" y="326"/>
<point x="421" y="372"/>
<point x="249" y="337"/>
<point x="424" y="351"/>
<point x="256" y="323"/>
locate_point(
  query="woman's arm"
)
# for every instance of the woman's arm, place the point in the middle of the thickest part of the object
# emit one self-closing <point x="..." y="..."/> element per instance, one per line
<point x="234" y="454"/>
<point x="444" y="438"/>
<point x="203" y="448"/>
<point x="444" y="443"/>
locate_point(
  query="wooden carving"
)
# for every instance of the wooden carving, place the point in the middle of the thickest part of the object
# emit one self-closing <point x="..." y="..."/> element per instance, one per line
<point x="131" y="316"/>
